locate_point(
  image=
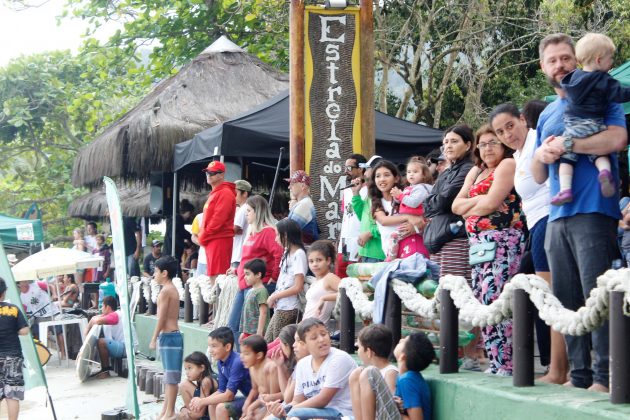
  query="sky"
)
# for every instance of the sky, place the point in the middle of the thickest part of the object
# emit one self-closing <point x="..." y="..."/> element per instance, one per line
<point x="35" y="30"/>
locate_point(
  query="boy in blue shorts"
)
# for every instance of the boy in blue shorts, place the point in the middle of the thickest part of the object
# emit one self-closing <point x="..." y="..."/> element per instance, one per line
<point x="166" y="336"/>
<point x="233" y="377"/>
<point x="412" y="400"/>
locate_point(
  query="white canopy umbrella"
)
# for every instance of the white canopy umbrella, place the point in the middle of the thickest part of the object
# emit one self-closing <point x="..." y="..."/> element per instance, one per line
<point x="54" y="262"/>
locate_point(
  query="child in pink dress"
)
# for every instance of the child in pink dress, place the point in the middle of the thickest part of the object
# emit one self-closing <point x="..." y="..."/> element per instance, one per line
<point x="410" y="202"/>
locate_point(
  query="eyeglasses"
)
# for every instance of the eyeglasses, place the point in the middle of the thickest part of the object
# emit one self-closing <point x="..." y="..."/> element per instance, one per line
<point x="492" y="143"/>
<point x="213" y="173"/>
<point x="349" y="168"/>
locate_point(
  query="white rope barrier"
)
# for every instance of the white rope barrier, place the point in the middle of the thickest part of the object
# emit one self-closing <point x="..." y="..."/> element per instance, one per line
<point x="229" y="288"/>
<point x="471" y="311"/>
<point x="200" y="287"/>
<point x="177" y="282"/>
<point x="354" y="290"/>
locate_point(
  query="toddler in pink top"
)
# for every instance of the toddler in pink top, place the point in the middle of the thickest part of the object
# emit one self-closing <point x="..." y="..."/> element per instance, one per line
<point x="410" y="202"/>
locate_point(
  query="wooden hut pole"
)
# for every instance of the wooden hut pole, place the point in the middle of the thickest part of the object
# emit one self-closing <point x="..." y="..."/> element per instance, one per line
<point x="174" y="213"/>
<point x="367" y="77"/>
<point x="296" y="89"/>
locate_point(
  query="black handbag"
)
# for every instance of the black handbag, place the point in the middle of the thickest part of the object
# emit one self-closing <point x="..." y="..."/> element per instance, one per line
<point x="438" y="232"/>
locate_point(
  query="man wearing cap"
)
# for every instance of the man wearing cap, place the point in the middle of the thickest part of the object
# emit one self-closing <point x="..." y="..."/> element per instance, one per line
<point x="348" y="248"/>
<point x="369" y="239"/>
<point x="217" y="230"/>
<point x="243" y="190"/>
<point x="303" y="212"/>
<point x="148" y="267"/>
<point x="437" y="163"/>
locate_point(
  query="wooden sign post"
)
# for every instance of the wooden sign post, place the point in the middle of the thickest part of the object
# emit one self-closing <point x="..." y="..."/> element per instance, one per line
<point x="332" y="100"/>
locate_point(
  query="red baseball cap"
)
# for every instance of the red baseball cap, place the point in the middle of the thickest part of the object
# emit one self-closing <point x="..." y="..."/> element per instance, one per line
<point x="215" y="166"/>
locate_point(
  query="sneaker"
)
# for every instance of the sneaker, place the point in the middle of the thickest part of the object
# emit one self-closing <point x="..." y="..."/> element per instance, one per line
<point x="468" y="363"/>
<point x="564" y="196"/>
<point x="503" y="372"/>
<point x="606" y="183"/>
<point x="488" y="371"/>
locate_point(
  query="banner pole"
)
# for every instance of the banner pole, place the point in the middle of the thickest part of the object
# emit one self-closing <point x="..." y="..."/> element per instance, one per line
<point x="33" y="372"/>
<point x="116" y="222"/>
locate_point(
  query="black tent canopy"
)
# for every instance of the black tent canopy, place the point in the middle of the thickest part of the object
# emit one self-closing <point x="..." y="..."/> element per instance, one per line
<point x="260" y="132"/>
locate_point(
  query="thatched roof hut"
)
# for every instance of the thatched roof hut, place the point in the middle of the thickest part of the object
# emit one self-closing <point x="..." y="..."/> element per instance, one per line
<point x="222" y="82"/>
<point x="134" y="202"/>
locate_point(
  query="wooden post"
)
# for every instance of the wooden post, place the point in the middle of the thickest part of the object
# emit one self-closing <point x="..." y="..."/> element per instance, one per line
<point x="523" y="336"/>
<point x="449" y="327"/>
<point x="152" y="307"/>
<point x="204" y="309"/>
<point x="188" y="306"/>
<point x="619" y="356"/>
<point x="393" y="309"/>
<point x="346" y="342"/>
<point x="367" y="77"/>
<point x="296" y="86"/>
<point x="142" y="303"/>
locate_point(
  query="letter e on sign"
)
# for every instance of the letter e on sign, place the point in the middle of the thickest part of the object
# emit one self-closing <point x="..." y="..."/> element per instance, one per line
<point x="326" y="29"/>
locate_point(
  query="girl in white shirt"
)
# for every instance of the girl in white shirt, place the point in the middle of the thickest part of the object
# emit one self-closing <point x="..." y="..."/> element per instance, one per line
<point x="321" y="296"/>
<point x="293" y="268"/>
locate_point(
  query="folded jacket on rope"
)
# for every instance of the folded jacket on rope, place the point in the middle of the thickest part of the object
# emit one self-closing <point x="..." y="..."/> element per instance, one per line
<point x="410" y="270"/>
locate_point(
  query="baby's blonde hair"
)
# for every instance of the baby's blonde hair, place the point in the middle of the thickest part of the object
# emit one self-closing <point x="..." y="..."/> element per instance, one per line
<point x="593" y="45"/>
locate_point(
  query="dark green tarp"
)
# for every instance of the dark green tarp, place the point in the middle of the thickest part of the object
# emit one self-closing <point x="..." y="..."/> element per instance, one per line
<point x="14" y="230"/>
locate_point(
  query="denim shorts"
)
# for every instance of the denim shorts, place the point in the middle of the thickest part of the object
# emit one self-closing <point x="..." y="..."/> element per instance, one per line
<point x="115" y="348"/>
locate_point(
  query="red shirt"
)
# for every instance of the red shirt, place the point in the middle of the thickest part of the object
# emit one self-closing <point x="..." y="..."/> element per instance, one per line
<point x="218" y="216"/>
<point x="261" y="245"/>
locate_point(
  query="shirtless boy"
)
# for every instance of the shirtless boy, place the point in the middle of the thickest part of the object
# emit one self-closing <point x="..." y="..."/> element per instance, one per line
<point x="171" y="343"/>
<point x="253" y="356"/>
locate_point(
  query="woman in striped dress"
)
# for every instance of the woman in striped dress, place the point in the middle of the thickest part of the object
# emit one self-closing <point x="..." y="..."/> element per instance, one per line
<point x="443" y="236"/>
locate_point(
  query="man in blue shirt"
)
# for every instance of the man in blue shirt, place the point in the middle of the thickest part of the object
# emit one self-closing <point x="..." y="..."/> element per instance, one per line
<point x="580" y="241"/>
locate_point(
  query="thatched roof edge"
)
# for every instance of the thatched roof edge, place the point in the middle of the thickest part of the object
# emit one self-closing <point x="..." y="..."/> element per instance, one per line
<point x="134" y="202"/>
<point x="207" y="91"/>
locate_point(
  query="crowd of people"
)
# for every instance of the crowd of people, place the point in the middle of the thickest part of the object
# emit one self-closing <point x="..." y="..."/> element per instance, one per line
<point x="298" y="374"/>
<point x="534" y="190"/>
<point x="485" y="207"/>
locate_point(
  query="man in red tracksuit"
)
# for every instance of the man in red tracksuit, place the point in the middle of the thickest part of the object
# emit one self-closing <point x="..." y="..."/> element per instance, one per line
<point x="217" y="230"/>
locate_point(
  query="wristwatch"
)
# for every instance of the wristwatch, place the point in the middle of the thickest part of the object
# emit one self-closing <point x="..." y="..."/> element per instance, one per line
<point x="568" y="144"/>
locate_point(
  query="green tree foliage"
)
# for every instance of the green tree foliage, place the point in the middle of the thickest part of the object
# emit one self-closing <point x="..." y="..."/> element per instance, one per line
<point x="50" y="105"/>
<point x="459" y="58"/>
<point x="178" y="30"/>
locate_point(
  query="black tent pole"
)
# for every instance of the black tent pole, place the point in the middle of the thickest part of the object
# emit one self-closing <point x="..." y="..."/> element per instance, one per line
<point x="275" y="178"/>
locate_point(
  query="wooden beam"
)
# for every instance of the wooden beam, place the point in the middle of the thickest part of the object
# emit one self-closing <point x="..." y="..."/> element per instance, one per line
<point x="296" y="87"/>
<point x="367" y="78"/>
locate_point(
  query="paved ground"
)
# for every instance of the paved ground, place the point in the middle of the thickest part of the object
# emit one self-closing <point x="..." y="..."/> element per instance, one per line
<point x="75" y="400"/>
